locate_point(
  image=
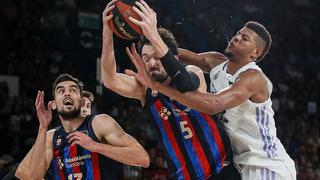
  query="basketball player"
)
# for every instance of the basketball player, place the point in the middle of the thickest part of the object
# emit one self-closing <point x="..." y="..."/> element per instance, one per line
<point x="194" y="144"/>
<point x="77" y="149"/>
<point x="88" y="99"/>
<point x="240" y="90"/>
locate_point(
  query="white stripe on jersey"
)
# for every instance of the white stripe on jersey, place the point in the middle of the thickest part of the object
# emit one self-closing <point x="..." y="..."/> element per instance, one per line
<point x="269" y="146"/>
<point x="262" y="173"/>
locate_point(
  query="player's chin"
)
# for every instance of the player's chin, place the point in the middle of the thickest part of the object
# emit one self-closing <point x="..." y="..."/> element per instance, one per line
<point x="69" y="109"/>
<point x="228" y="50"/>
<point x="228" y="53"/>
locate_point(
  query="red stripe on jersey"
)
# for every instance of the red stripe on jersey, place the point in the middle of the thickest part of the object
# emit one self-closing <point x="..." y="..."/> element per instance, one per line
<point x="95" y="165"/>
<point x="73" y="154"/>
<point x="214" y="130"/>
<point x="58" y="157"/>
<point x="173" y="142"/>
<point x="197" y="146"/>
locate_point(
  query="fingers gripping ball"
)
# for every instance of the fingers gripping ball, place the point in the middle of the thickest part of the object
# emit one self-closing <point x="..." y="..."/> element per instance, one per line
<point x="120" y="24"/>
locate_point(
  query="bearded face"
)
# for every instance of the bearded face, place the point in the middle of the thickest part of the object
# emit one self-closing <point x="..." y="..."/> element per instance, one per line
<point x="68" y="100"/>
<point x="153" y="63"/>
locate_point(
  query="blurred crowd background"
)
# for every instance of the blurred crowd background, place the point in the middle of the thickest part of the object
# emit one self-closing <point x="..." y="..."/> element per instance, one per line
<point x="40" y="39"/>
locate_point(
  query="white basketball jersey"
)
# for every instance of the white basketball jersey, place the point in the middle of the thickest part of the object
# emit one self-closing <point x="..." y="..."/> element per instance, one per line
<point x="250" y="125"/>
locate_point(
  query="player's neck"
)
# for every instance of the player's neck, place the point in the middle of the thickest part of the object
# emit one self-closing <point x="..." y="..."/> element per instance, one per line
<point x="235" y="64"/>
<point x="71" y="125"/>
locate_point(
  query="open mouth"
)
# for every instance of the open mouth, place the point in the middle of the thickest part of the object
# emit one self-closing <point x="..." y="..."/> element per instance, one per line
<point x="153" y="69"/>
<point x="68" y="102"/>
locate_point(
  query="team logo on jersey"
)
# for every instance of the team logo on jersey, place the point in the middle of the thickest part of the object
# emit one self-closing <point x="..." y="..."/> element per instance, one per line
<point x="164" y="113"/>
<point x="154" y="93"/>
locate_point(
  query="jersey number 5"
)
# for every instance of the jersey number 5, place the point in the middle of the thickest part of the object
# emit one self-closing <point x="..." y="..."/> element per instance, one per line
<point x="186" y="130"/>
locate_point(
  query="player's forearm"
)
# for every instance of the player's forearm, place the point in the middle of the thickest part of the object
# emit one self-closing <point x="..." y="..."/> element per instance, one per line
<point x="183" y="80"/>
<point x="203" y="102"/>
<point x="191" y="58"/>
<point x="159" y="45"/>
<point x="206" y="61"/>
<point x="108" y="63"/>
<point x="133" y="155"/>
<point x="34" y="164"/>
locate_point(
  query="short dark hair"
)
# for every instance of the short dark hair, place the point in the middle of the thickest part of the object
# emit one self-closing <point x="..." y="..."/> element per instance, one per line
<point x="66" y="77"/>
<point x="263" y="33"/>
<point x="166" y="36"/>
<point x="88" y="95"/>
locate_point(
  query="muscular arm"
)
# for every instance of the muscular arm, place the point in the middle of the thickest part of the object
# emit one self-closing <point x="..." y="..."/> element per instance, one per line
<point x="247" y="85"/>
<point x="118" y="82"/>
<point x="206" y="61"/>
<point x="118" y="145"/>
<point x="36" y="162"/>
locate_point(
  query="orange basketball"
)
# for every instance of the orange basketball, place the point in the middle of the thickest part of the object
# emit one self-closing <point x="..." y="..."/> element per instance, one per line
<point x="120" y="24"/>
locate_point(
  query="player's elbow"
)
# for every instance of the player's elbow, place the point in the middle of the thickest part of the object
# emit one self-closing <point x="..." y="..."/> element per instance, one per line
<point x="145" y="160"/>
<point x="109" y="83"/>
<point x="26" y="175"/>
<point x="29" y="173"/>
<point x="20" y="174"/>
<point x="108" y="79"/>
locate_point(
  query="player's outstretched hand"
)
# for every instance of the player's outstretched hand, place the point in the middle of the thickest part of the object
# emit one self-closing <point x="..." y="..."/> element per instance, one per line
<point x="44" y="114"/>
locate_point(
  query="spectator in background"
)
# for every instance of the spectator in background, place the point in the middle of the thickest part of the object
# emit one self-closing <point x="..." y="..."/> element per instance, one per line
<point x="88" y="100"/>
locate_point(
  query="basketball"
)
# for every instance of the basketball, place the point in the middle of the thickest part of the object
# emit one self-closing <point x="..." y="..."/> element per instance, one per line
<point x="120" y="24"/>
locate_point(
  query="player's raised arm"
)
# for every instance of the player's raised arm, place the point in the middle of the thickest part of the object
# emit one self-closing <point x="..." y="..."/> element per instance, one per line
<point x="118" y="82"/>
<point x="36" y="162"/>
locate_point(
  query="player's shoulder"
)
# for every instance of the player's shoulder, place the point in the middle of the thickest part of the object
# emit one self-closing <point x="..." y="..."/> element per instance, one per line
<point x="253" y="76"/>
<point x="103" y="124"/>
<point x="252" y="73"/>
<point x="102" y="117"/>
<point x="102" y="120"/>
<point x="194" y="69"/>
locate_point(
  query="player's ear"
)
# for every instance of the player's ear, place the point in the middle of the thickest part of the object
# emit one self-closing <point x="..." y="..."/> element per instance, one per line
<point x="256" y="54"/>
<point x="54" y="105"/>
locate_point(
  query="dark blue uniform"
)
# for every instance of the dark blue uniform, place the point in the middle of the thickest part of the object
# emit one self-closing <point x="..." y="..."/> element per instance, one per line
<point x="75" y="162"/>
<point x="196" y="145"/>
